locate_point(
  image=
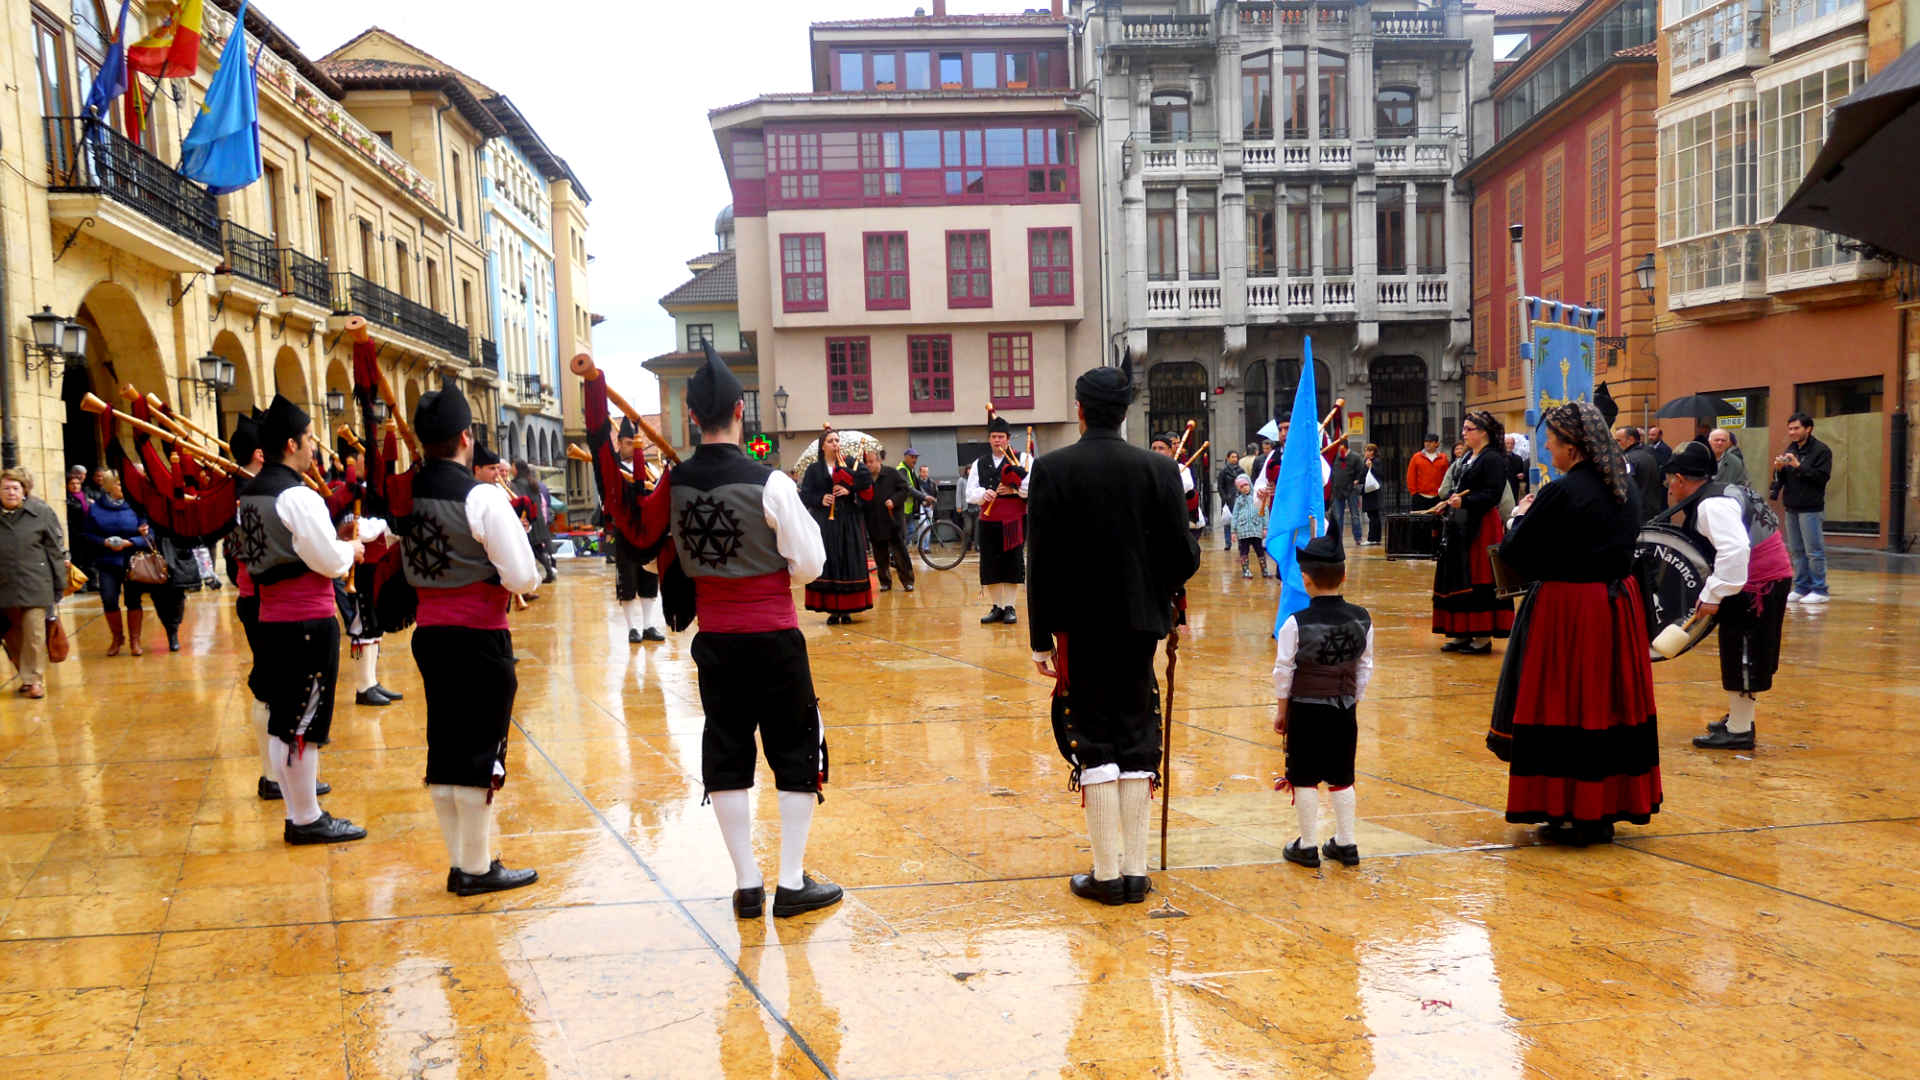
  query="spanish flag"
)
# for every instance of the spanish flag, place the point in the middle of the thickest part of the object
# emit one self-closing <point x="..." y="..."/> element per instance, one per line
<point x="172" y="51"/>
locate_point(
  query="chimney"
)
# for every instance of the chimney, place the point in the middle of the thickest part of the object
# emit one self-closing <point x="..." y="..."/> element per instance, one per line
<point x="939" y="9"/>
<point x="1056" y="8"/>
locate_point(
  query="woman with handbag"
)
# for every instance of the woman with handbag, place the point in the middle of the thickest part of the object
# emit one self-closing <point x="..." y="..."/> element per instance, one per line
<point x="33" y="575"/>
<point x="1370" y="491"/>
<point x="124" y="558"/>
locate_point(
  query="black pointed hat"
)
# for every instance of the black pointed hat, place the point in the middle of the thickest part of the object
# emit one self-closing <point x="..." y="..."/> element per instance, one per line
<point x="441" y="415"/>
<point x="1693" y="459"/>
<point x="1323" y="551"/>
<point x="712" y="389"/>
<point x="1603" y="400"/>
<point x="628" y="429"/>
<point x="483" y="457"/>
<point x="999" y="426"/>
<point x="283" y="421"/>
<point x="245" y="438"/>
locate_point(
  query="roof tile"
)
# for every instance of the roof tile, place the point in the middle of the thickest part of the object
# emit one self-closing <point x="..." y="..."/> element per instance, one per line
<point x="718" y="284"/>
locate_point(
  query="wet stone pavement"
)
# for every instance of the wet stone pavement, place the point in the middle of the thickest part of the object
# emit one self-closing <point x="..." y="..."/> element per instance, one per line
<point x="153" y="924"/>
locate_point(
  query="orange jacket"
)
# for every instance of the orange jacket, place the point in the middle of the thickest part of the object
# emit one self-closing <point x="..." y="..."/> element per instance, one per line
<point x="1424" y="475"/>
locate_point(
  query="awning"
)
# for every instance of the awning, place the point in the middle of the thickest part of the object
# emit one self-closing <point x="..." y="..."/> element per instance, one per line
<point x="1861" y="183"/>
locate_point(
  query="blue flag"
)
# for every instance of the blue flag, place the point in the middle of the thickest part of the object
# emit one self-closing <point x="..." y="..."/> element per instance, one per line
<point x="222" y="150"/>
<point x="111" y="81"/>
<point x="1298" y="513"/>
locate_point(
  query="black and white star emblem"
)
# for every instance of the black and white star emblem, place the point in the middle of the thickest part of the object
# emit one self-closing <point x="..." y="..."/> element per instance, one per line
<point x="428" y="550"/>
<point x="709" y="532"/>
<point x="1341" y="644"/>
<point x="253" y="535"/>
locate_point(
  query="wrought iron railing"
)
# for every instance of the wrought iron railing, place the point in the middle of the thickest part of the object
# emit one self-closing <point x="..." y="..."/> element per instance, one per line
<point x="486" y="355"/>
<point x="86" y="156"/>
<point x="305" y="277"/>
<point x="384" y="307"/>
<point x="250" y="255"/>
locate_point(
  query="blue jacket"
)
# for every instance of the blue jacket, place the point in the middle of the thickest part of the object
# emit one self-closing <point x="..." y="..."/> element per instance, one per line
<point x="110" y="517"/>
<point x="1248" y="522"/>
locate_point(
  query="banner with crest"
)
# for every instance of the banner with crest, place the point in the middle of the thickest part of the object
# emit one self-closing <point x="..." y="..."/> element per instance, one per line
<point x="1559" y="364"/>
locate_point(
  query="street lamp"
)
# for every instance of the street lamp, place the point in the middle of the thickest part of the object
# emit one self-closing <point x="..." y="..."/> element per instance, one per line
<point x="214" y="378"/>
<point x="780" y="398"/>
<point x="336" y="403"/>
<point x="57" y="341"/>
<point x="1467" y="356"/>
<point x="1644" y="274"/>
<point x="380" y="411"/>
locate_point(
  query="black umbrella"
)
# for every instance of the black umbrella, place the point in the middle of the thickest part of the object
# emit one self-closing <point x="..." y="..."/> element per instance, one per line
<point x="1699" y="407"/>
<point x="1868" y="164"/>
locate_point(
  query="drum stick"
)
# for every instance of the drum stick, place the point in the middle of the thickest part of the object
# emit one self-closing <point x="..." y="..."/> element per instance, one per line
<point x="583" y="366"/>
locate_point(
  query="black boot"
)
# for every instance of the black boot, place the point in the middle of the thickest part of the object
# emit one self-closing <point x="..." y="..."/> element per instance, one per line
<point x="325" y="829"/>
<point x="748" y="903"/>
<point x="810" y="896"/>
<point x="633" y="636"/>
<point x="497" y="879"/>
<point x="1344" y="854"/>
<point x="1087" y="887"/>
<point x="1008" y="616"/>
<point x="173" y="638"/>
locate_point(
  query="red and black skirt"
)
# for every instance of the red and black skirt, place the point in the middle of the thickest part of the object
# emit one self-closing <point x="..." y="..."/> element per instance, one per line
<point x="844" y="586"/>
<point x="1464" y="600"/>
<point x="1574" y="715"/>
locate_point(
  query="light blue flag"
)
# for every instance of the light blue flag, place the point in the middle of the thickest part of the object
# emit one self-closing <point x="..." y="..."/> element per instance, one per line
<point x="1298" y="512"/>
<point x="222" y="150"/>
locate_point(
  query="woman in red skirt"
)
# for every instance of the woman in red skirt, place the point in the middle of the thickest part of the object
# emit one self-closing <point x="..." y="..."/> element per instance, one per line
<point x="844" y="587"/>
<point x="1574" y="714"/>
<point x="1465" y="607"/>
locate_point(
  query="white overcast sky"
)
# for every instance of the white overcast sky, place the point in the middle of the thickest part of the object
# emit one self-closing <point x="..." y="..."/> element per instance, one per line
<point x="621" y="90"/>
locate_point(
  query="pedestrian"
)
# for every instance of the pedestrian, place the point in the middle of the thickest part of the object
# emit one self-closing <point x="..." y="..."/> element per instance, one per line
<point x="751" y="540"/>
<point x="843" y="587"/>
<point x="33" y="576"/>
<point x="1747" y="588"/>
<point x="1800" y="476"/>
<point x="1426" y="469"/>
<point x="909" y="470"/>
<point x="1456" y="464"/>
<point x="1227" y="487"/>
<point x="539" y="511"/>
<point x="1466" y="607"/>
<point x="636" y="588"/>
<point x="1164" y="444"/>
<point x="1097" y="612"/>
<point x="1371" y="491"/>
<point x="1250" y="525"/>
<point x="1343" y="491"/>
<point x="1643" y="470"/>
<point x="78" y="502"/>
<point x="996" y="484"/>
<point x="467" y="557"/>
<point x="1322" y="662"/>
<point x="115" y="528"/>
<point x="885" y="502"/>
<point x="1519" y="465"/>
<point x="292" y="553"/>
<point x="1730" y="465"/>
<point x="1657" y="446"/>
<point x="1574" y="713"/>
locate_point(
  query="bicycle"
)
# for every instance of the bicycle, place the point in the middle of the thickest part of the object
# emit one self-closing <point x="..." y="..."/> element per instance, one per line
<point x="940" y="542"/>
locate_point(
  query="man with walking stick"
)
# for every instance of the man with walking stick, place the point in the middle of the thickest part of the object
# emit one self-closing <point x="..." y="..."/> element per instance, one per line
<point x="1109" y="554"/>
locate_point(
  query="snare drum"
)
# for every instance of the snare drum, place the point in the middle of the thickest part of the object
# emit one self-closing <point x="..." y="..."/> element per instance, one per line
<point x="1413" y="536"/>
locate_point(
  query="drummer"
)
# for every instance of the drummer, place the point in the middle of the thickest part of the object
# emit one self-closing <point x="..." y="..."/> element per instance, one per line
<point x="1747" y="588"/>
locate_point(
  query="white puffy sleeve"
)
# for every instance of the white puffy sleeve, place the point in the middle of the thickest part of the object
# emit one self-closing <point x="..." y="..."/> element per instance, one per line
<point x="497" y="527"/>
<point x="795" y="532"/>
<point x="304" y="513"/>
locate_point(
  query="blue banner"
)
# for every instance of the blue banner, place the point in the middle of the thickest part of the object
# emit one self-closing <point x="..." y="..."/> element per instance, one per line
<point x="1561" y="359"/>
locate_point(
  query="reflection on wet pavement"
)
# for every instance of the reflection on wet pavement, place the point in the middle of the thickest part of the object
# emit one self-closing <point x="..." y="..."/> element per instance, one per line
<point x="152" y="923"/>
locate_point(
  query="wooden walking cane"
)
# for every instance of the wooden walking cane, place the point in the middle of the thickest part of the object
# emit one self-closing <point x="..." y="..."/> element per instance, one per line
<point x="1166" y="739"/>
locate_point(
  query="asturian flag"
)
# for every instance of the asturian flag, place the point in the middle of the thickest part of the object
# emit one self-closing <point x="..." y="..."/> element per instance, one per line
<point x="222" y="150"/>
<point x="1298" y="513"/>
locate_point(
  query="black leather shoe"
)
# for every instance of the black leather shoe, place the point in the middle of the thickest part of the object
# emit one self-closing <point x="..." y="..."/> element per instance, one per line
<point x="1475" y="650"/>
<point x="372" y="696"/>
<point x="325" y="829"/>
<point x="270" y="791"/>
<point x="1009" y="616"/>
<point x="886" y="586"/>
<point x="748" y="903"/>
<point x="393" y="695"/>
<point x="1725" y="740"/>
<point x="909" y="586"/>
<point x="994" y="614"/>
<point x="1717" y="725"/>
<point x="810" y="896"/>
<point x="497" y="879"/>
<point x="173" y="640"/>
<point x="1087" y="887"/>
<point x="1301" y="856"/>
<point x="633" y="636"/>
<point x="1137" y="887"/>
<point x="1344" y="854"/>
<point x="651" y="634"/>
<point x="1454" y="645"/>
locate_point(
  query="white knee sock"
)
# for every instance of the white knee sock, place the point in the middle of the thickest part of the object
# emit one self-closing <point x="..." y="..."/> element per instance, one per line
<point x="476" y="829"/>
<point x="299" y="777"/>
<point x="1006" y="594"/>
<point x="734" y="809"/>
<point x="647" y="606"/>
<point x="363" y="667"/>
<point x="1306" y="806"/>
<point x="631" y="609"/>
<point x="1342" y="815"/>
<point x="1136" y="806"/>
<point x="1740" y="713"/>
<point x="448" y="811"/>
<point x="269" y="762"/>
<point x="796" y="817"/>
<point x="1103" y="828"/>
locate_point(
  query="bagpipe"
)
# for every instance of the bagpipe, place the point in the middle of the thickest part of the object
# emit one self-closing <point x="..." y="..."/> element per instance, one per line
<point x="637" y="511"/>
<point x="1008" y="511"/>
<point x="190" y="494"/>
<point x="383" y="597"/>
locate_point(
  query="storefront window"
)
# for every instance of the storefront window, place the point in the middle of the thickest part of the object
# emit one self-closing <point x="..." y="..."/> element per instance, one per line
<point x="1848" y="417"/>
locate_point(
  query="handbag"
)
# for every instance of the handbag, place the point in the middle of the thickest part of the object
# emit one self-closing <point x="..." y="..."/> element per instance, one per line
<point x="57" y="644"/>
<point x="1372" y="484"/>
<point x="148" y="568"/>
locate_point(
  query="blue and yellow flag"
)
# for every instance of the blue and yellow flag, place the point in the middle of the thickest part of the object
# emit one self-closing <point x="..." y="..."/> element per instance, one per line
<point x="222" y="150"/>
<point x="1298" y="513"/>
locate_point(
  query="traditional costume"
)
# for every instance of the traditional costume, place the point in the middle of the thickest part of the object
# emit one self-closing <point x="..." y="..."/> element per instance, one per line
<point x="635" y="587"/>
<point x="1096" y="613"/>
<point x="1752" y="574"/>
<point x="1574" y="713"/>
<point x="843" y="587"/>
<point x="1322" y="662"/>
<point x="286" y="541"/>
<point x="739" y="531"/>
<point x="1465" y="606"/>
<point x="1002" y="520"/>
<point x="466" y="556"/>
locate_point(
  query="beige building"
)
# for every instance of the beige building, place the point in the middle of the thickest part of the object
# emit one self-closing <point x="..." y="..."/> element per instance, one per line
<point x="911" y="242"/>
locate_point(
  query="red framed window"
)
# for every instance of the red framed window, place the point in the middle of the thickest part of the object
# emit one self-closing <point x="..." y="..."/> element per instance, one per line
<point x="1050" y="266"/>
<point x="886" y="254"/>
<point x="930" y="372"/>
<point x="803" y="271"/>
<point x="1010" y="370"/>
<point x="969" y="270"/>
<point x="849" y="375"/>
<point x="796" y="157"/>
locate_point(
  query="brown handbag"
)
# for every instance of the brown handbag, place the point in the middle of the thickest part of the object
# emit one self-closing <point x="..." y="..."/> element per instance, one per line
<point x="148" y="568"/>
<point x="57" y="646"/>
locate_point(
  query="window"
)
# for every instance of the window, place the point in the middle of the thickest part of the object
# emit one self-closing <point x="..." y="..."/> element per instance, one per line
<point x="1050" y="266"/>
<point x="1794" y="14"/>
<point x="1793" y="126"/>
<point x="369" y="254"/>
<point x="1553" y="173"/>
<point x="853" y="67"/>
<point x="699" y="334"/>
<point x="985" y="75"/>
<point x="1723" y="31"/>
<point x="1256" y="96"/>
<point x="466" y="300"/>
<point x="1516" y="209"/>
<point x="1293" y="102"/>
<point x="1263" y="257"/>
<point x="880" y="164"/>
<point x="1019" y="70"/>
<point x="1629" y="24"/>
<point x="1430" y="228"/>
<point x="1511" y="354"/>
<point x="1203" y="236"/>
<point x="1163" y="244"/>
<point x="1600" y="296"/>
<point x="1707" y="172"/>
<point x="1390" y="229"/>
<point x="1299" y="234"/>
<point x="849" y="376"/>
<point x="884" y="77"/>
<point x="1010" y="370"/>
<point x="803" y="272"/>
<point x="385" y="137"/>
<point x="323" y="221"/>
<point x="402" y="273"/>
<point x="50" y="53"/>
<point x="1169" y="118"/>
<point x="459" y="191"/>
<point x="1333" y="95"/>
<point x="1599" y="182"/>
<point x="271" y="190"/>
<point x="953" y="72"/>
<point x="796" y="158"/>
<point x="1015" y="163"/>
<point x="919" y="71"/>
<point x="929" y="373"/>
<point x="433" y="285"/>
<point x="969" y="270"/>
<point x="886" y="255"/>
<point x="1394" y="110"/>
<point x="1336" y="231"/>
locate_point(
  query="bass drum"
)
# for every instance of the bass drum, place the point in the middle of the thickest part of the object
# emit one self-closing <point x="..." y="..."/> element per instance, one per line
<point x="1672" y="568"/>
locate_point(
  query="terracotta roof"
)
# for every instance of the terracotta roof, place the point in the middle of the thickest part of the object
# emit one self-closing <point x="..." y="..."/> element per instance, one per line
<point x="718" y="284"/>
<point x="1026" y="18"/>
<point x="359" y="74"/>
<point x="1529" y="7"/>
<point x="896" y="95"/>
<point x="480" y="89"/>
<point x="1651" y="48"/>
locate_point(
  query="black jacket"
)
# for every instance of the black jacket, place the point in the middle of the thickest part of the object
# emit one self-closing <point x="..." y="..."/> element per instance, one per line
<point x="882" y="523"/>
<point x="1803" y="487"/>
<point x="1645" y="469"/>
<point x="1107" y="540"/>
<point x="1346" y="476"/>
<point x="1575" y="531"/>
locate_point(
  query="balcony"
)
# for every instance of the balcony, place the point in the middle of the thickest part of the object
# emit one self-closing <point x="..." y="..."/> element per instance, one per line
<point x="1800" y="260"/>
<point x="1182" y="31"/>
<point x="1172" y="160"/>
<point x="486" y="355"/>
<point x="249" y="255"/>
<point x="1724" y="269"/>
<point x="305" y="278"/>
<point x="1177" y="299"/>
<point x="136" y="201"/>
<point x="386" y="308"/>
<point x="1424" y="293"/>
<point x="1423" y="150"/>
<point x="1409" y="24"/>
